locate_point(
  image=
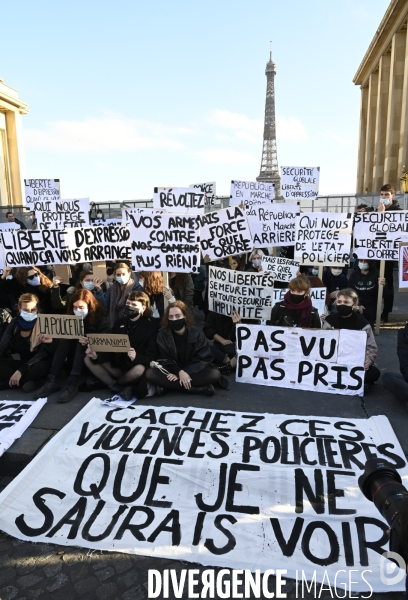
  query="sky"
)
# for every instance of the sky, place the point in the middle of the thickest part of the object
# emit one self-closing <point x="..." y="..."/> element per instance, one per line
<point x="128" y="95"/>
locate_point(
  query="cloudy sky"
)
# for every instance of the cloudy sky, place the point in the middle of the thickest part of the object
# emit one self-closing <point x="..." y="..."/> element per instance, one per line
<point x="128" y="95"/>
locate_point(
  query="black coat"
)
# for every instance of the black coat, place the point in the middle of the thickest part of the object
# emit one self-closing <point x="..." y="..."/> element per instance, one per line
<point x="281" y="316"/>
<point x="220" y="324"/>
<point x="13" y="288"/>
<point x="142" y="338"/>
<point x="402" y="351"/>
<point x="7" y="341"/>
<point x="199" y="355"/>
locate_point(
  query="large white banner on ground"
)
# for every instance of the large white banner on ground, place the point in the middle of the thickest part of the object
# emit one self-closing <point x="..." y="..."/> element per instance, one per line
<point x="229" y="489"/>
<point x="251" y="193"/>
<point x="377" y="235"/>
<point x="15" y="417"/>
<point x="224" y="233"/>
<point x="248" y="293"/>
<point x="273" y="225"/>
<point x="95" y="244"/>
<point x="209" y="189"/>
<point x="60" y="214"/>
<point x="323" y="239"/>
<point x="41" y="189"/>
<point x="179" y="200"/>
<point x="305" y="359"/>
<point x="25" y="248"/>
<point x="165" y="242"/>
<point x="300" y="183"/>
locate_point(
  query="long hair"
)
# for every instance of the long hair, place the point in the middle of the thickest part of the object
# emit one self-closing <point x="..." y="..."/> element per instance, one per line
<point x="181" y="280"/>
<point x="144" y="301"/>
<point x="22" y="276"/>
<point x="81" y="277"/>
<point x="153" y="282"/>
<point x="95" y="309"/>
<point x="186" y="312"/>
<point x="28" y="298"/>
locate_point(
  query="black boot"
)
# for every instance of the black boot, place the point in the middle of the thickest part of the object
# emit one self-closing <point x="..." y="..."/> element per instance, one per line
<point x="31" y="386"/>
<point x="70" y="390"/>
<point x="51" y="385"/>
<point x="205" y="390"/>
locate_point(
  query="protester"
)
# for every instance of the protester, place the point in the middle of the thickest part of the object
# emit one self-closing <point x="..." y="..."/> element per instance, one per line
<point x="296" y="309"/>
<point x="388" y="203"/>
<point x="185" y="355"/>
<point x="348" y="316"/>
<point x="365" y="281"/>
<point x="86" y="280"/>
<point x="221" y="329"/>
<point x="83" y="304"/>
<point x="118" y="292"/>
<point x="397" y="383"/>
<point x="181" y="288"/>
<point x="152" y="284"/>
<point x="124" y="374"/>
<point x="27" y="280"/>
<point x="29" y="369"/>
<point x="12" y="219"/>
<point x="334" y="280"/>
<point x="199" y="281"/>
<point x="254" y="264"/>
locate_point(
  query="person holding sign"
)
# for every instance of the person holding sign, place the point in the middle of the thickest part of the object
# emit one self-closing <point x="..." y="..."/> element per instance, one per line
<point x="26" y="281"/>
<point x="185" y="354"/>
<point x="255" y="261"/>
<point x="221" y="329"/>
<point x="82" y="304"/>
<point x="348" y="317"/>
<point x="86" y="281"/>
<point x="118" y="292"/>
<point x="124" y="374"/>
<point x="296" y="309"/>
<point x="152" y="284"/>
<point x="30" y="368"/>
<point x="364" y="281"/>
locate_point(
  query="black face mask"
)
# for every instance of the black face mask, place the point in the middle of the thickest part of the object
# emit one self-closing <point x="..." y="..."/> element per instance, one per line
<point x="344" y="310"/>
<point x="296" y="298"/>
<point x="177" y="325"/>
<point x="132" y="311"/>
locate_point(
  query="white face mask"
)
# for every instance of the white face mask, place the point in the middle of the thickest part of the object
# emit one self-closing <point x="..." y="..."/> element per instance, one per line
<point x="363" y="266"/>
<point x="123" y="280"/>
<point x="28" y="316"/>
<point x="336" y="272"/>
<point x="88" y="285"/>
<point x="99" y="215"/>
<point x="315" y="272"/>
<point x="257" y="262"/>
<point x="81" y="312"/>
<point x="9" y="277"/>
<point x="35" y="281"/>
<point x="385" y="201"/>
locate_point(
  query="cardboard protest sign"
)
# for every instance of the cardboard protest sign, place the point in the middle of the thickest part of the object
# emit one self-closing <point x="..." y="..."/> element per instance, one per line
<point x="165" y="242"/>
<point x="63" y="271"/>
<point x="304" y="359"/>
<point x="317" y="296"/>
<point x="251" y="193"/>
<point x="273" y="225"/>
<point x="300" y="183"/>
<point x="206" y="486"/>
<point x="323" y="238"/>
<point x="15" y="417"/>
<point x="99" y="270"/>
<point x="25" y="248"/>
<point x="101" y="243"/>
<point x="179" y="200"/>
<point x="224" y="233"/>
<point x="209" y="189"/>
<point x="403" y="267"/>
<point x="108" y="342"/>
<point x="377" y="235"/>
<point x="248" y="293"/>
<point x="282" y="269"/>
<point x="60" y="214"/>
<point x="65" y="327"/>
<point x="41" y="189"/>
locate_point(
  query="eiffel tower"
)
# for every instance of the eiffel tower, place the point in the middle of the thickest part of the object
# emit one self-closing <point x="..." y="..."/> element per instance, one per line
<point x="269" y="162"/>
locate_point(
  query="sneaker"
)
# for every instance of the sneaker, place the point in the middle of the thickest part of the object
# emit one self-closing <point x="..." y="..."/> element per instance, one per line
<point x="70" y="390"/>
<point x="51" y="385"/>
<point x="152" y="391"/>
<point x="91" y="384"/>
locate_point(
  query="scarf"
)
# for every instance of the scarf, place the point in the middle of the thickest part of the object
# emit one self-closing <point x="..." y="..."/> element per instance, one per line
<point x="304" y="308"/>
<point x="26" y="325"/>
<point x="118" y="300"/>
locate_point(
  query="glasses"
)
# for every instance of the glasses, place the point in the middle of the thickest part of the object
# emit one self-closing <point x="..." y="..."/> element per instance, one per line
<point x="31" y="277"/>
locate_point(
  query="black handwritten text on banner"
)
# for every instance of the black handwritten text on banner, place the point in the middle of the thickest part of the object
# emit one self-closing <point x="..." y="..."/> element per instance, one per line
<point x="251" y="193"/>
<point x="60" y="214"/>
<point x="323" y="239"/>
<point x="15" y="417"/>
<point x="248" y="293"/>
<point x="273" y="225"/>
<point x="282" y="269"/>
<point x="25" y="248"/>
<point x="377" y="235"/>
<point x="300" y="183"/>
<point x="317" y="296"/>
<point x="204" y="486"/>
<point x="165" y="242"/>
<point x="224" y="233"/>
<point x="307" y="359"/>
<point x="209" y="189"/>
<point x="41" y="189"/>
<point x="95" y="244"/>
<point x="179" y="200"/>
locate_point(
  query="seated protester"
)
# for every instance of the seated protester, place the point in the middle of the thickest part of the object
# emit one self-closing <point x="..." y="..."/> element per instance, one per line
<point x="364" y="281"/>
<point x="221" y="329"/>
<point x="397" y="383"/>
<point x="29" y="369"/>
<point x="254" y="264"/>
<point x="185" y="355"/>
<point x="181" y="288"/>
<point x="86" y="281"/>
<point x="124" y="373"/>
<point x="82" y="304"/>
<point x="152" y="284"/>
<point x="296" y="309"/>
<point x="334" y="280"/>
<point x="115" y="298"/>
<point x="28" y="280"/>
<point x="348" y="317"/>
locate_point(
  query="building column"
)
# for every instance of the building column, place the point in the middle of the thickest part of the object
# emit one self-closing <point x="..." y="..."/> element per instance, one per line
<point x="370" y="134"/>
<point x="394" y="113"/>
<point x="16" y="154"/>
<point x="403" y="141"/>
<point x="381" y="122"/>
<point x="362" y="140"/>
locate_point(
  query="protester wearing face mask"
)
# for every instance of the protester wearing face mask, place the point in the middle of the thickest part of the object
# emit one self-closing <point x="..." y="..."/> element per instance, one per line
<point x="28" y="370"/>
<point x="28" y="280"/>
<point x="334" y="280"/>
<point x="152" y="284"/>
<point x="296" y="309"/>
<point x="364" y="281"/>
<point x="185" y="355"/>
<point x="118" y="292"/>
<point x="124" y="373"/>
<point x="72" y="352"/>
<point x="86" y="281"/>
<point x="348" y="316"/>
<point x="255" y="261"/>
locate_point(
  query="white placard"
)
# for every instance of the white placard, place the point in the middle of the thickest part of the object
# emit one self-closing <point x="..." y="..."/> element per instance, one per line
<point x="224" y="233"/>
<point x="403" y="267"/>
<point x="317" y="296"/>
<point x="15" y="417"/>
<point x="41" y="189"/>
<point x="9" y="226"/>
<point x="377" y="235"/>
<point x="273" y="225"/>
<point x="101" y="243"/>
<point x="248" y="293"/>
<point x="233" y="490"/>
<point x="323" y="239"/>
<point x="251" y="193"/>
<point x="300" y="183"/>
<point x="179" y="200"/>
<point x="61" y="214"/>
<point x="209" y="189"/>
<point x="282" y="269"/>
<point x="26" y="247"/>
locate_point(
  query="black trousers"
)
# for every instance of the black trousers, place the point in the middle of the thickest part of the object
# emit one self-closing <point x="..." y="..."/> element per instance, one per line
<point x="372" y="374"/>
<point x="205" y="377"/>
<point x="71" y="351"/>
<point x="38" y="371"/>
<point x="219" y="351"/>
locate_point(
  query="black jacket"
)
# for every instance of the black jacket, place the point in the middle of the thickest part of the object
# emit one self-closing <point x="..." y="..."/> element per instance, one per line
<point x="281" y="316"/>
<point x="199" y="355"/>
<point x="366" y="285"/>
<point x="142" y="338"/>
<point x="7" y="344"/>
<point x="220" y="324"/>
<point x="13" y="288"/>
<point x="402" y="351"/>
